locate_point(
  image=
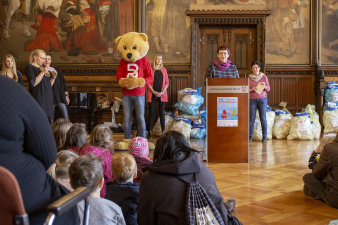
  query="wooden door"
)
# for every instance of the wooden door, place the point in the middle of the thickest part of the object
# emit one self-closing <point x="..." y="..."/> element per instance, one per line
<point x="240" y="40"/>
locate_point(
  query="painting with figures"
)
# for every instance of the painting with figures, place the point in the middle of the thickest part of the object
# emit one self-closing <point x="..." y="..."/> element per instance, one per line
<point x="73" y="31"/>
<point x="329" y="32"/>
<point x="288" y="32"/>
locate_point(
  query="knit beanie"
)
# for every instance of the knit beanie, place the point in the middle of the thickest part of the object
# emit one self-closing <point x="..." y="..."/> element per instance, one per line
<point x="138" y="146"/>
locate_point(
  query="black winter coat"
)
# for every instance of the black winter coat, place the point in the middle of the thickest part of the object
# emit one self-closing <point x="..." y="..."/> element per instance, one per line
<point x="162" y="198"/>
<point x="27" y="149"/>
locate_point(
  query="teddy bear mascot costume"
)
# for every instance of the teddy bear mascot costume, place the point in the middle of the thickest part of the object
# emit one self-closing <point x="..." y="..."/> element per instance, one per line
<point x="133" y="74"/>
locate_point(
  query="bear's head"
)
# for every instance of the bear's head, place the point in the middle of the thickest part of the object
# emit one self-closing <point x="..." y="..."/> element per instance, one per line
<point x="132" y="46"/>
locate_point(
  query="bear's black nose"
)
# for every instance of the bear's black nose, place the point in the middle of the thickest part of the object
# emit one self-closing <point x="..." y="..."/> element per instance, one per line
<point x="129" y="55"/>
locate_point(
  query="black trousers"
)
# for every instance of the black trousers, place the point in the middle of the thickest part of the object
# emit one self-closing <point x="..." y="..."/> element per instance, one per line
<point x="151" y="115"/>
<point x="62" y="109"/>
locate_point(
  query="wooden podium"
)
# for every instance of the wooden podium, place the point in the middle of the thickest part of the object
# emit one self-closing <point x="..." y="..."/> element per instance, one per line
<point x="227" y="119"/>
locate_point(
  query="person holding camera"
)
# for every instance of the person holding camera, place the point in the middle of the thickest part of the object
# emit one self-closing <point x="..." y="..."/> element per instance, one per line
<point x="322" y="183"/>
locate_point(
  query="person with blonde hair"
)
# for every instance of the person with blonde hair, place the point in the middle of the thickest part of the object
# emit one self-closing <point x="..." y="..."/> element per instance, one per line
<point x="100" y="143"/>
<point x="60" y="128"/>
<point x="157" y="92"/>
<point x="123" y="191"/>
<point x="9" y="69"/>
<point x="40" y="82"/>
<point x="60" y="169"/>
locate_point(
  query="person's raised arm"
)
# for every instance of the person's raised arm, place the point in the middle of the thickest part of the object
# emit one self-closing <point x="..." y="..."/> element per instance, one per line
<point x="32" y="79"/>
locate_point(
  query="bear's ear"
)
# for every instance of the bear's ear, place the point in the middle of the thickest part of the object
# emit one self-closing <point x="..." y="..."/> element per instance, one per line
<point x="118" y="39"/>
<point x="143" y="36"/>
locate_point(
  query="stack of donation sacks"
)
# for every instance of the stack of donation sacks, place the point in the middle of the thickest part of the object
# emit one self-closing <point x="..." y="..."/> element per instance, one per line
<point x="188" y="119"/>
<point x="282" y="125"/>
<point x="330" y="115"/>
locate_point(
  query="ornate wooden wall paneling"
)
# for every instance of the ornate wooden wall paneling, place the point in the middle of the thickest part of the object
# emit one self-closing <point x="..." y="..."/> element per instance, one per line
<point x="294" y="85"/>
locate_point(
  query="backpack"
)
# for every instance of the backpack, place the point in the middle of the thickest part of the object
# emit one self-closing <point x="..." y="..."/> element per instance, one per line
<point x="200" y="209"/>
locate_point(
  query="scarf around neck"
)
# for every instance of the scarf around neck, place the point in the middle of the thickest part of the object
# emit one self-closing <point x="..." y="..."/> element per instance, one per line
<point x="222" y="66"/>
<point x="256" y="78"/>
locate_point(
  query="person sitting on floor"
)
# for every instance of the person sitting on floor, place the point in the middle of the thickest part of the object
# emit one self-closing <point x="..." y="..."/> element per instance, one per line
<point x="162" y="198"/>
<point x="124" y="191"/>
<point x="60" y="128"/>
<point x="87" y="171"/>
<point x="138" y="147"/>
<point x="60" y="169"/>
<point x="322" y="183"/>
<point x="100" y="143"/>
<point x="76" y="137"/>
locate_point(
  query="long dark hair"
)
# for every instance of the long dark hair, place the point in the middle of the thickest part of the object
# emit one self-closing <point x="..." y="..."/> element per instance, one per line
<point x="170" y="145"/>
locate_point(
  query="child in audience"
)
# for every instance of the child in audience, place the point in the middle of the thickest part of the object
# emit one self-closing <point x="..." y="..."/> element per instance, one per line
<point x="123" y="191"/>
<point x="100" y="144"/>
<point x="60" y="129"/>
<point x="76" y="137"/>
<point x="60" y="169"/>
<point x="138" y="147"/>
<point x="87" y="171"/>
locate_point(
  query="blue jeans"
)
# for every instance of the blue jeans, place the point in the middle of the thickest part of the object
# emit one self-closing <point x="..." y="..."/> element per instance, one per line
<point x="261" y="105"/>
<point x="130" y="101"/>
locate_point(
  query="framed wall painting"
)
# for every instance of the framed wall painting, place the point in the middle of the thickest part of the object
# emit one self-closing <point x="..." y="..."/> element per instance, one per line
<point x="329" y="45"/>
<point x="288" y="36"/>
<point x="168" y="29"/>
<point x="73" y="31"/>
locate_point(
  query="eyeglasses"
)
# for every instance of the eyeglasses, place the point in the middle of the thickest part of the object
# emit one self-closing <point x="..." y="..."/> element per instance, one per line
<point x="42" y="58"/>
<point x="223" y="53"/>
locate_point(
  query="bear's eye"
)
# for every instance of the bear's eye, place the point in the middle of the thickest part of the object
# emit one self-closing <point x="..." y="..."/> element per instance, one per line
<point x="134" y="47"/>
<point x="124" y="47"/>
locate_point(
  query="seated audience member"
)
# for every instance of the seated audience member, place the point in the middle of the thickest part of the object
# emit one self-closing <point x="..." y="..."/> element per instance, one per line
<point x="76" y="137"/>
<point x="28" y="149"/>
<point x="87" y="171"/>
<point x="138" y="147"/>
<point x="60" y="169"/>
<point x="123" y="191"/>
<point x="60" y="128"/>
<point x="100" y="144"/>
<point x="322" y="183"/>
<point x="162" y="198"/>
<point x="9" y="69"/>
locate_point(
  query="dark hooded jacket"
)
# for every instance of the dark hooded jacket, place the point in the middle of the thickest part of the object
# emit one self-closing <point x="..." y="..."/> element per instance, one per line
<point x="162" y="198"/>
<point x="327" y="169"/>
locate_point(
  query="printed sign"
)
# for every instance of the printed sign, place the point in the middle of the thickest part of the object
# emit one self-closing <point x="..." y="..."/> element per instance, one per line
<point x="227" y="111"/>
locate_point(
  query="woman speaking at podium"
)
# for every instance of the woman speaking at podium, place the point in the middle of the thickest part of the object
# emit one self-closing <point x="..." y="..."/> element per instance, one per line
<point x="222" y="67"/>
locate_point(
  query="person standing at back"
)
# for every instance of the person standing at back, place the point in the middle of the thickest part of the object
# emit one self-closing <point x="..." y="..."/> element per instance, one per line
<point x="258" y="88"/>
<point x="157" y="92"/>
<point x="222" y="67"/>
<point x="60" y="91"/>
<point x="41" y="82"/>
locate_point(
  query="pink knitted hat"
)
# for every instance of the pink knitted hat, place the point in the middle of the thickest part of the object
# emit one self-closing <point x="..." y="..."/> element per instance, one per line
<point x="138" y="146"/>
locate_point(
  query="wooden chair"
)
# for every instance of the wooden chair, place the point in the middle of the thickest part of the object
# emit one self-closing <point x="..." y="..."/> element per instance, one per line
<point x="12" y="209"/>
